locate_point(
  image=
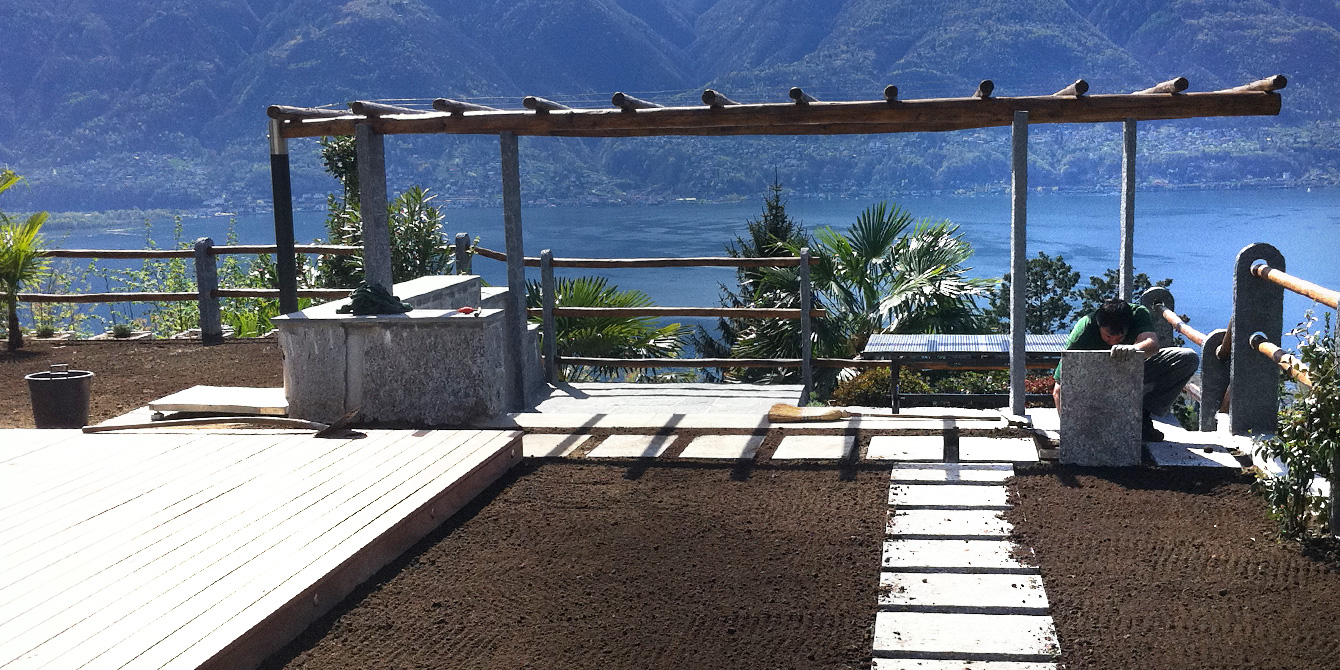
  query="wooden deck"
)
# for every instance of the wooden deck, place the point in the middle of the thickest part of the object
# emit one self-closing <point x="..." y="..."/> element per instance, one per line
<point x="209" y="549"/>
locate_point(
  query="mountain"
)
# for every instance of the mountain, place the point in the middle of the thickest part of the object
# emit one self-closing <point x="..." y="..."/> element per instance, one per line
<point x="149" y="103"/>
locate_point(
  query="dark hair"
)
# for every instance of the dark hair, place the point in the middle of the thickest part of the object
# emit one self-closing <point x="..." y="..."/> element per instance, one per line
<point x="1114" y="315"/>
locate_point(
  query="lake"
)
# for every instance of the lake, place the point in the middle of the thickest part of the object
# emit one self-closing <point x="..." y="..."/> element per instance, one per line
<point x="1188" y="236"/>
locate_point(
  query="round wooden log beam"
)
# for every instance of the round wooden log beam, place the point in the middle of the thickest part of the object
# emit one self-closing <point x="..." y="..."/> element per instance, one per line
<point x="722" y="312"/>
<point x="324" y="249"/>
<point x="1075" y="90"/>
<point x="713" y="99"/>
<point x="1267" y="85"/>
<point x="890" y="93"/>
<point x="628" y="103"/>
<point x="800" y="97"/>
<point x="1171" y="86"/>
<point x="286" y="113"/>
<point x="374" y="110"/>
<point x="699" y="261"/>
<point x="984" y="89"/>
<point x="1302" y="287"/>
<point x="128" y="296"/>
<point x="542" y="105"/>
<point x="1282" y="358"/>
<point x="458" y="107"/>
<point x="324" y="293"/>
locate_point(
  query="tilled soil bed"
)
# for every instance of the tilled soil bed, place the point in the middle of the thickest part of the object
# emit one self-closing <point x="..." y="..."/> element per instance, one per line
<point x="568" y="564"/>
<point x="1173" y="568"/>
<point x="130" y="374"/>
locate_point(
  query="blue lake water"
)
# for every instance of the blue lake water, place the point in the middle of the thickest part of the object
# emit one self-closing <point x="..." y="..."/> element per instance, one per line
<point x="1189" y="236"/>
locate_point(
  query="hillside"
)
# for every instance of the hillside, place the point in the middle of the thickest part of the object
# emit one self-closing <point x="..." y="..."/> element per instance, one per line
<point x="148" y="103"/>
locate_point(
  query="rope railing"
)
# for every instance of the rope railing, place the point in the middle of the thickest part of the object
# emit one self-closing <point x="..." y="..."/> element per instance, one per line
<point x="722" y="312"/>
<point x="146" y="254"/>
<point x="693" y="261"/>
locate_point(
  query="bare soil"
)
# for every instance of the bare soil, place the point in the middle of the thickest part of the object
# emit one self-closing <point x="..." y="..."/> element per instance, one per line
<point x="569" y="564"/>
<point x="130" y="374"/>
<point x="1173" y="568"/>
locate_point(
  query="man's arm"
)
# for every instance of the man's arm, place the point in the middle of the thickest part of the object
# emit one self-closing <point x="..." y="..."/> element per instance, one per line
<point x="1147" y="343"/>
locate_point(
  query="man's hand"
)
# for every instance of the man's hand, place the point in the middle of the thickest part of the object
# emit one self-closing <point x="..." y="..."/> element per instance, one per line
<point x="1125" y="352"/>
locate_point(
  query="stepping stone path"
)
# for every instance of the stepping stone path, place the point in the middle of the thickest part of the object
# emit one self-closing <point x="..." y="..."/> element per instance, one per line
<point x="952" y="590"/>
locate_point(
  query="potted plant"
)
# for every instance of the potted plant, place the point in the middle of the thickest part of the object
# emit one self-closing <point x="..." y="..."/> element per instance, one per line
<point x="21" y="259"/>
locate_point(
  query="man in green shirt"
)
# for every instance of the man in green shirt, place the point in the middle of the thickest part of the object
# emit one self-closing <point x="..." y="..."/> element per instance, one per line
<point x="1128" y="331"/>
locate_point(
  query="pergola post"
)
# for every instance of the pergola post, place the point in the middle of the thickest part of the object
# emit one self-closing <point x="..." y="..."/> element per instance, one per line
<point x="1018" y="261"/>
<point x="372" y="204"/>
<point x="516" y="264"/>
<point x="806" y="329"/>
<point x="1126" y="276"/>
<point x="282" y="189"/>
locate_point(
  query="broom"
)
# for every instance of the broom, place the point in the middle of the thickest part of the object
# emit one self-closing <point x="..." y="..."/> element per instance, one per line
<point x="784" y="413"/>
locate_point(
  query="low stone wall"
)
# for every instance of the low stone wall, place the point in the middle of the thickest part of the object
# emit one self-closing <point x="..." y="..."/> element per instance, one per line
<point x="432" y="366"/>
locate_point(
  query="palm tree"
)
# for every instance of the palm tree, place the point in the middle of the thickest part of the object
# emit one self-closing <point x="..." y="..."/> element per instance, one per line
<point x="20" y="258"/>
<point x="605" y="337"/>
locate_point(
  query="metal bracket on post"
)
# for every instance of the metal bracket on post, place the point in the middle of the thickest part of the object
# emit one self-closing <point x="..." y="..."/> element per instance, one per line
<point x="1154" y="296"/>
<point x="806" y="328"/>
<point x="463" y="255"/>
<point x="548" y="333"/>
<point x="207" y="282"/>
<point x="1258" y="306"/>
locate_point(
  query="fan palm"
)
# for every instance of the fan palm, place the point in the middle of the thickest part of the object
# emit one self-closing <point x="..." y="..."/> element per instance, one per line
<point x="606" y="337"/>
<point x="21" y="259"/>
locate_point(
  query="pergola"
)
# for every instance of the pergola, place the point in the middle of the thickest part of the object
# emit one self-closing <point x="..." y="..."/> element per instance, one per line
<point x="369" y="122"/>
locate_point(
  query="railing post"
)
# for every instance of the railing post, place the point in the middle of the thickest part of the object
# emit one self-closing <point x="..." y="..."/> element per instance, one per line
<point x="207" y="282"/>
<point x="1018" y="262"/>
<point x="286" y="263"/>
<point x="550" y="342"/>
<point x="806" y="329"/>
<point x="462" y="251"/>
<point x="1213" y="380"/>
<point x="1258" y="306"/>
<point x="1125" y="276"/>
<point x="1150" y="299"/>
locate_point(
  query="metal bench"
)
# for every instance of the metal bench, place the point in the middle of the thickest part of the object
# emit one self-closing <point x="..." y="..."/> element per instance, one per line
<point x="959" y="352"/>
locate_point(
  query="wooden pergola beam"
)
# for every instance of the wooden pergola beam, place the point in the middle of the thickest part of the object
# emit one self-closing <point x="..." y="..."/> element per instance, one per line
<point x="817" y="118"/>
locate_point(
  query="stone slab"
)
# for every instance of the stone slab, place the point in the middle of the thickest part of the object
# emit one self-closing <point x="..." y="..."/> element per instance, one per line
<point x="952" y="473"/>
<point x="963" y="556"/>
<point x="930" y="664"/>
<point x="947" y="496"/>
<point x="947" y="523"/>
<point x="551" y="445"/>
<point x="1100" y="409"/>
<point x="907" y="448"/>
<point x="816" y="447"/>
<point x="963" y="593"/>
<point x="1192" y="455"/>
<point x="723" y="447"/>
<point x="224" y="400"/>
<point x="632" y="446"/>
<point x="998" y="449"/>
<point x="986" y="637"/>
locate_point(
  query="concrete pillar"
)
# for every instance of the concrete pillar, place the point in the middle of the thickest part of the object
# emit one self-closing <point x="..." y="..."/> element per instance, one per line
<point x="462" y="250"/>
<point x="1258" y="306"/>
<point x="1018" y="261"/>
<point x="1100" y="409"/>
<point x="516" y="262"/>
<point x="373" y="206"/>
<point x="1213" y="380"/>
<point x="1126" y="276"/>
<point x="1150" y="299"/>
<point x="286" y="264"/>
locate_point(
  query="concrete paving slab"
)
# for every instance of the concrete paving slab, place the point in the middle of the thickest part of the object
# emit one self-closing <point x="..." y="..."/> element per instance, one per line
<point x="947" y="523"/>
<point x="818" y="447"/>
<point x="986" y="637"/>
<point x="1177" y="454"/>
<point x="907" y="448"/>
<point x="947" y="496"/>
<point x="225" y="400"/>
<point x="967" y="594"/>
<point x="632" y="446"/>
<point x="551" y="445"/>
<point x="929" y="664"/>
<point x="723" y="447"/>
<point x="952" y="473"/>
<point x="1045" y="418"/>
<point x="963" y="556"/>
<point x="998" y="449"/>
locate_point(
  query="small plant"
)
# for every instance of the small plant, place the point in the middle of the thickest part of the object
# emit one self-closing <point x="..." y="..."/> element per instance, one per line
<point x="46" y="331"/>
<point x="1306" y="438"/>
<point x="122" y="330"/>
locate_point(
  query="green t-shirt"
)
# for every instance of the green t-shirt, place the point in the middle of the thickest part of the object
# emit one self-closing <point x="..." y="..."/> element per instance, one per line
<point x="1085" y="336"/>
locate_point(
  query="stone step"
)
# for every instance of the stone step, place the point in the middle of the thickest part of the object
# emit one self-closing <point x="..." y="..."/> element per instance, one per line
<point x="962" y="593"/>
<point x="951" y="473"/>
<point x="947" y="524"/>
<point x="960" y="556"/>
<point x="965" y="637"/>
<point x="930" y="664"/>
<point x="947" y="496"/>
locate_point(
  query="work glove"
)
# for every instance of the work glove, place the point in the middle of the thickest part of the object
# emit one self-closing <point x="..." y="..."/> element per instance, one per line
<point x="1124" y="352"/>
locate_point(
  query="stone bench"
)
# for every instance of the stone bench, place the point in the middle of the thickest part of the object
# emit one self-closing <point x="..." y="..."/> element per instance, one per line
<point x="1100" y="409"/>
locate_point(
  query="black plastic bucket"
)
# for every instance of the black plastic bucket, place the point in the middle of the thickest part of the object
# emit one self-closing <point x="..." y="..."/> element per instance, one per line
<point x="60" y="397"/>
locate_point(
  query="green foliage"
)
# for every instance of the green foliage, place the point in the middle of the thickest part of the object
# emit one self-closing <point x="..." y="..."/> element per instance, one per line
<point x="122" y="330"/>
<point x="1055" y="299"/>
<point x="21" y="262"/>
<point x="1307" y="436"/>
<point x="606" y="337"/>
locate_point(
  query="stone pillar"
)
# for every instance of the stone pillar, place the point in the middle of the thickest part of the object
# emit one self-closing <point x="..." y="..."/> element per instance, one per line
<point x="371" y="151"/>
<point x="1213" y="380"/>
<point x="462" y="251"/>
<point x="1258" y="306"/>
<point x="206" y="283"/>
<point x="1150" y="300"/>
<point x="1100" y="409"/>
<point x="806" y="330"/>
<point x="516" y="268"/>
<point x="286" y="263"/>
<point x="1125" y="276"/>
<point x="1018" y="262"/>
